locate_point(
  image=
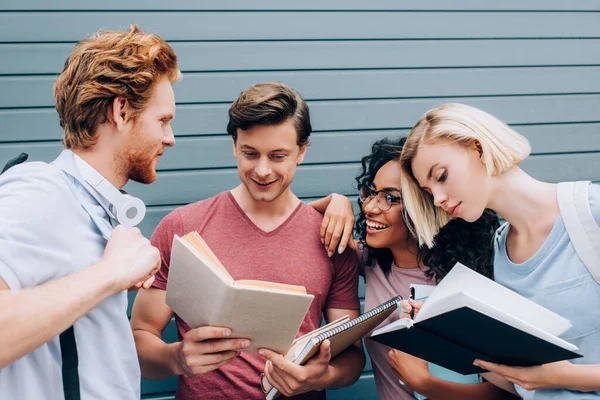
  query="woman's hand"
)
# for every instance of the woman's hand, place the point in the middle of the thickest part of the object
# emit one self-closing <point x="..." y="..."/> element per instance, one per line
<point x="338" y="225"/>
<point x="410" y="370"/>
<point x="409" y="305"/>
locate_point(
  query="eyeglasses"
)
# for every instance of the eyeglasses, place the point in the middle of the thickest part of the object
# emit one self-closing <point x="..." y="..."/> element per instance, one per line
<point x="385" y="200"/>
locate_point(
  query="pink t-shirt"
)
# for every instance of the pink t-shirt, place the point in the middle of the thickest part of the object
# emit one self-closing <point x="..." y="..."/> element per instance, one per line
<point x="292" y="253"/>
<point x="379" y="289"/>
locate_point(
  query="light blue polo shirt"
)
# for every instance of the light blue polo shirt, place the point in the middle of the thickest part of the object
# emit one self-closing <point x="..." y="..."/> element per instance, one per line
<point x="46" y="234"/>
<point x="555" y="278"/>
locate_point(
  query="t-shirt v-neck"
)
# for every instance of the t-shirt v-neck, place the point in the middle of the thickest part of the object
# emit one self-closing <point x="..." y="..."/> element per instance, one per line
<point x="256" y="227"/>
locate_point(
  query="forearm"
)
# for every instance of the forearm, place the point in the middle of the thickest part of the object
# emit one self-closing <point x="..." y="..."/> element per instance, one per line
<point x="346" y="368"/>
<point x="581" y="377"/>
<point x="321" y="204"/>
<point x="31" y="317"/>
<point x="439" y="389"/>
<point x="158" y="359"/>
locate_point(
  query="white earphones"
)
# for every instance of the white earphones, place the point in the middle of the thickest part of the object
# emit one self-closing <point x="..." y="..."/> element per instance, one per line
<point x="129" y="210"/>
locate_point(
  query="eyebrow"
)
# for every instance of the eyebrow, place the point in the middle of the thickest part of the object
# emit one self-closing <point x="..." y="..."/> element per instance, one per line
<point x="389" y="189"/>
<point x="169" y="116"/>
<point x="430" y="174"/>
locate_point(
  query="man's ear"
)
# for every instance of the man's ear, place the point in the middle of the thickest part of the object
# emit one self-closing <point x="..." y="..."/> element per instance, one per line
<point x="301" y="154"/>
<point x="234" y="148"/>
<point x="119" y="112"/>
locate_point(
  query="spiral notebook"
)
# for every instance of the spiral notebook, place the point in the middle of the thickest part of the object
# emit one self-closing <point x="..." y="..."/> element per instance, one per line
<point x="342" y="333"/>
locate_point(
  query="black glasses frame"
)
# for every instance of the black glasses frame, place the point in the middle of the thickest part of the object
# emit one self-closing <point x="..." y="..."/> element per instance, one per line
<point x="383" y="202"/>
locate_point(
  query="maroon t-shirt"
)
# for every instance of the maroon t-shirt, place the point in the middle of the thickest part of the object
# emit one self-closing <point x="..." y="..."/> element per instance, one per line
<point x="291" y="254"/>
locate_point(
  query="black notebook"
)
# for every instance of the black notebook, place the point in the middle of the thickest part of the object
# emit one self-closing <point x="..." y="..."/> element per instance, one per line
<point x="469" y="316"/>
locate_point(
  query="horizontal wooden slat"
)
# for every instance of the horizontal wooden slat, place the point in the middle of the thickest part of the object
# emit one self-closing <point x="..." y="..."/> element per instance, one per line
<point x="28" y="91"/>
<point x="42" y="124"/>
<point x="48" y="58"/>
<point x="117" y="5"/>
<point x="270" y="25"/>
<point x="321" y="180"/>
<point x="216" y="151"/>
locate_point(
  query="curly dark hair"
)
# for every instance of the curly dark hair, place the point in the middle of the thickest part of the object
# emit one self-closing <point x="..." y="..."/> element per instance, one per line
<point x="459" y="241"/>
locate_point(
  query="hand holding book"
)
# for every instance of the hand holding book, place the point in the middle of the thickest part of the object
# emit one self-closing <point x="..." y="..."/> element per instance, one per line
<point x="292" y="379"/>
<point x="205" y="349"/>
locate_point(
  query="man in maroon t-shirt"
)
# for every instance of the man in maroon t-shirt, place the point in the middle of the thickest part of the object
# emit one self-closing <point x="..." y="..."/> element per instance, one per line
<point x="259" y="230"/>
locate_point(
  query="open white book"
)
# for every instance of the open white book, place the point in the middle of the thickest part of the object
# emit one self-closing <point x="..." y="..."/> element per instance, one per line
<point x="203" y="293"/>
<point x="469" y="316"/>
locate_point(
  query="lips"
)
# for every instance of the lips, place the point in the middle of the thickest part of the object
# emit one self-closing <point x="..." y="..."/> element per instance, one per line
<point x="263" y="184"/>
<point x="455" y="210"/>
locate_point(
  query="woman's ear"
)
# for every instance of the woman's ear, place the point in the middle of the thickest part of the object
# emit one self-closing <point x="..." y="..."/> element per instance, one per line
<point x="479" y="149"/>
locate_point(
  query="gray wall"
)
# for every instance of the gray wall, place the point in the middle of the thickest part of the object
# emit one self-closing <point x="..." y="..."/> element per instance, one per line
<point x="367" y="69"/>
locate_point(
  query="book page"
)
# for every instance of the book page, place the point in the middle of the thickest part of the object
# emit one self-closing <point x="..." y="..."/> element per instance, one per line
<point x="503" y="300"/>
<point x="199" y="244"/>
<point x="272" y="285"/>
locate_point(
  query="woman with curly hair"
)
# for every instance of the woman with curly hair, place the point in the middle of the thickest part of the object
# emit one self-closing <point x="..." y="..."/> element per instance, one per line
<point x="390" y="260"/>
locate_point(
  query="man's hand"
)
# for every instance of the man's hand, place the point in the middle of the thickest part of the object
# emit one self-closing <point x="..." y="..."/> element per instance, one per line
<point x="532" y="378"/>
<point x="410" y="370"/>
<point x="338" y="225"/>
<point x="130" y="258"/>
<point x="292" y="379"/>
<point x="205" y="349"/>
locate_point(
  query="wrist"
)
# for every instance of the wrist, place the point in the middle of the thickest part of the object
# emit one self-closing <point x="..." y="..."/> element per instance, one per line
<point x="173" y="363"/>
<point x="327" y="379"/>
<point x="425" y="384"/>
<point x="108" y="281"/>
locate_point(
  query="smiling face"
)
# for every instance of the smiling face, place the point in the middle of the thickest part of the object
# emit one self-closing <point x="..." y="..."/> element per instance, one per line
<point x="150" y="134"/>
<point x="267" y="157"/>
<point x="385" y="229"/>
<point x="455" y="176"/>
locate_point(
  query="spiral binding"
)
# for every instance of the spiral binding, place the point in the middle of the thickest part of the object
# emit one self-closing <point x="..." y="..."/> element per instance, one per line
<point x="353" y="322"/>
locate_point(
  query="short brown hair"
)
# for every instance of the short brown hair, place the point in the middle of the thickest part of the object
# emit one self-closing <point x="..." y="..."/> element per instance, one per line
<point x="109" y="65"/>
<point x="269" y="103"/>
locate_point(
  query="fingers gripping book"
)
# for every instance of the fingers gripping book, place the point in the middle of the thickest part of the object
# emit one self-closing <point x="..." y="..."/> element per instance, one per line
<point x="203" y="293"/>
<point x="341" y="333"/>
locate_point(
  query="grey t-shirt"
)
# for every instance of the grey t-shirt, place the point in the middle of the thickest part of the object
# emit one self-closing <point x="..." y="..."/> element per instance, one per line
<point x="45" y="234"/>
<point x="555" y="278"/>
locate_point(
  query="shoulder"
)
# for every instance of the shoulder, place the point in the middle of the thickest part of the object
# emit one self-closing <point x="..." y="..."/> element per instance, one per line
<point x="309" y="215"/>
<point x="594" y="197"/>
<point x="201" y="209"/>
<point x="28" y="188"/>
<point x="187" y="218"/>
<point x="34" y="176"/>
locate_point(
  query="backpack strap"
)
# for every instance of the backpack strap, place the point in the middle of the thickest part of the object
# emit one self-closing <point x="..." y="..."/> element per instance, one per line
<point x="68" y="346"/>
<point x="583" y="230"/>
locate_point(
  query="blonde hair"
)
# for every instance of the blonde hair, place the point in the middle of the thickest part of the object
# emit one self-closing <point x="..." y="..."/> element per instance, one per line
<point x="500" y="146"/>
<point x="109" y="65"/>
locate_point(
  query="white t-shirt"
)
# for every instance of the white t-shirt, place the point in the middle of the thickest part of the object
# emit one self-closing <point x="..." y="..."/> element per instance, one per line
<point x="46" y="234"/>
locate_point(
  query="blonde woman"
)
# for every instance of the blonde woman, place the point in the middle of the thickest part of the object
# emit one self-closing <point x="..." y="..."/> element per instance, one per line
<point x="458" y="161"/>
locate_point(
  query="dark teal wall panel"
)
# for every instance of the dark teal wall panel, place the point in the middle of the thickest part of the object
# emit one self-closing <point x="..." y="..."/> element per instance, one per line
<point x="207" y="119"/>
<point x="36" y="91"/>
<point x="342" y="5"/>
<point x="317" y="25"/>
<point x="48" y="58"/>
